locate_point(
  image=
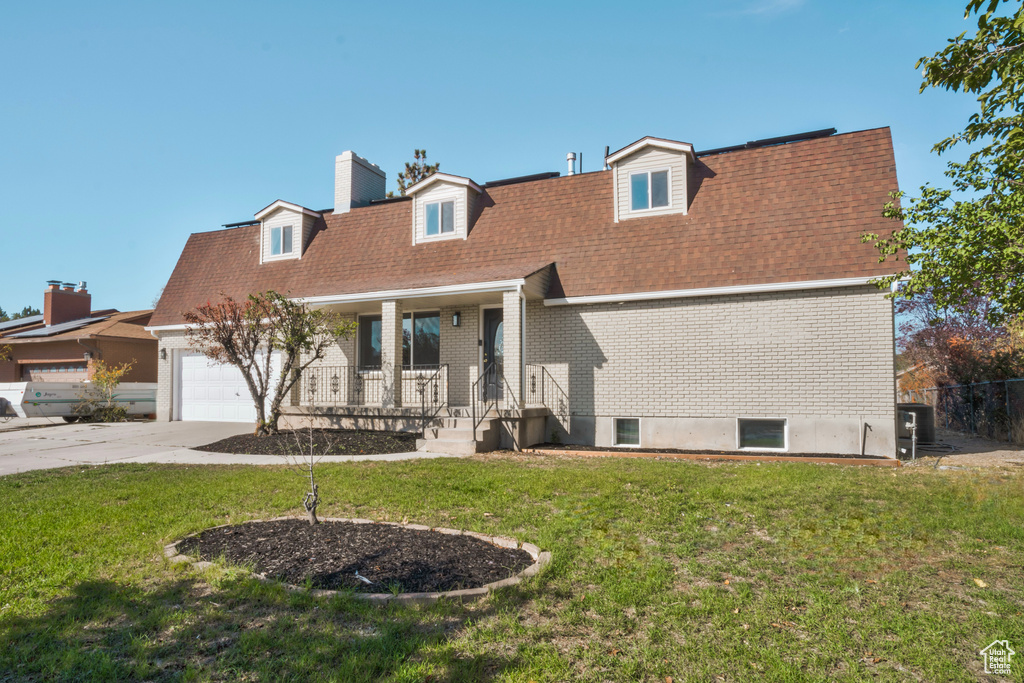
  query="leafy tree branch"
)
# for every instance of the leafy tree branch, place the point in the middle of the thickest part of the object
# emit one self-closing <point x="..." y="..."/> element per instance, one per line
<point x="967" y="241"/>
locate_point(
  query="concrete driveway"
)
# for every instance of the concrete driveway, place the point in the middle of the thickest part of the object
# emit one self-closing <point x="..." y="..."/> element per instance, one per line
<point x="64" y="445"/>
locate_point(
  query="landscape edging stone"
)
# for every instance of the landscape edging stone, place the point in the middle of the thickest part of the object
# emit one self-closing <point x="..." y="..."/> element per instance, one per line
<point x="540" y="558"/>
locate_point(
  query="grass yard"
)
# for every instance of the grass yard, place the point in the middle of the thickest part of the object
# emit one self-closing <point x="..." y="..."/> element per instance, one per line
<point x="727" y="572"/>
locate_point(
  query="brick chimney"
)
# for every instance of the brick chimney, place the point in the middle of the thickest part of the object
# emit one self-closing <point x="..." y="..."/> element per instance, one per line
<point x="61" y="303"/>
<point x="356" y="182"/>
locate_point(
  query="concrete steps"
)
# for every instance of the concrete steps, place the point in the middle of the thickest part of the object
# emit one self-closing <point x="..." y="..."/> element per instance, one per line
<point x="454" y="434"/>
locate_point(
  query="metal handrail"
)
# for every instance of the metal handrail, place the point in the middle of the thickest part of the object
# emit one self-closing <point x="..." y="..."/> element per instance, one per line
<point x="542" y="389"/>
<point x="438" y="401"/>
<point x="483" y="401"/>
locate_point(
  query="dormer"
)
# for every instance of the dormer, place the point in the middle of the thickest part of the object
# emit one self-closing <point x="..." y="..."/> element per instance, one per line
<point x="651" y="178"/>
<point x="442" y="206"/>
<point x="285" y="229"/>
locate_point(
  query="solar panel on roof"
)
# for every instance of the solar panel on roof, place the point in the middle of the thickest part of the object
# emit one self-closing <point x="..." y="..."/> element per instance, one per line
<point x="21" y="322"/>
<point x="57" y="329"/>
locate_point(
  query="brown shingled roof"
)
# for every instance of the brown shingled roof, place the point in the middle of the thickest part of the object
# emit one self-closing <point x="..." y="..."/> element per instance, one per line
<point x="786" y="213"/>
<point x="110" y="324"/>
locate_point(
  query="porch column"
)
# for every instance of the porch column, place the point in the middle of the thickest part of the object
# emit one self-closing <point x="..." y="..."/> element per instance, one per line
<point x="513" y="307"/>
<point x="391" y="353"/>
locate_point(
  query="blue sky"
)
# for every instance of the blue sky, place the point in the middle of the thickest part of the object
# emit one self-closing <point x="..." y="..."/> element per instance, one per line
<point x="124" y="127"/>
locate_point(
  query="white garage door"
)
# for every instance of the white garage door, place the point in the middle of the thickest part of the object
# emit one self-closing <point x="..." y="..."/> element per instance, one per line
<point x="216" y="393"/>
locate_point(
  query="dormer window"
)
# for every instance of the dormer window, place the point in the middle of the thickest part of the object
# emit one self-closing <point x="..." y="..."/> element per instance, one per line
<point x="285" y="230"/>
<point x="649" y="190"/>
<point x="442" y="208"/>
<point x="281" y="240"/>
<point x="440" y="218"/>
<point x="652" y="177"/>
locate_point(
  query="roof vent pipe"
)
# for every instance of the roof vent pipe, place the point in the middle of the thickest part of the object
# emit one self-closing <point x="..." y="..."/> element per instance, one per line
<point x="570" y="158"/>
<point x="607" y="151"/>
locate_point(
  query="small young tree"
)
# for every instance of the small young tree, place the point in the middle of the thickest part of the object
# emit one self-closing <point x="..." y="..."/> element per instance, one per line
<point x="247" y="334"/>
<point x="99" y="403"/>
<point x="310" y="447"/>
<point x="414" y="172"/>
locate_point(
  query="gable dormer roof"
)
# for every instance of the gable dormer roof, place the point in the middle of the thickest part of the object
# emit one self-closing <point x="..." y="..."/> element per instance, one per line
<point x="660" y="143"/>
<point x="282" y="204"/>
<point x="446" y="177"/>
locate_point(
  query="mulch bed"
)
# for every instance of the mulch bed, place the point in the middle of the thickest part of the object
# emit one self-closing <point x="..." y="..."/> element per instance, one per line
<point x="325" y="442"/>
<point x="690" y="451"/>
<point x="328" y="555"/>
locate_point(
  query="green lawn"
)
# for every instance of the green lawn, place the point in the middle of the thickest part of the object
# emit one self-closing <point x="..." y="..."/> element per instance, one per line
<point x="734" y="572"/>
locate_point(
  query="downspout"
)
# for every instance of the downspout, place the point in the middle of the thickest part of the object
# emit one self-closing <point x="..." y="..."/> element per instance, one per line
<point x="522" y="345"/>
<point x="895" y="384"/>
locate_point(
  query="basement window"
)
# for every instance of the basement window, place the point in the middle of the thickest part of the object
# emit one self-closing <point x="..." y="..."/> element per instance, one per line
<point x="281" y="241"/>
<point x="440" y="218"/>
<point x="648" y="190"/>
<point x="762" y="434"/>
<point x="627" y="431"/>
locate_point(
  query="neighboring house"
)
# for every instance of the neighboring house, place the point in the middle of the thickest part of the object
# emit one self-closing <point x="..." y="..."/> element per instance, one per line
<point x="64" y="343"/>
<point x="706" y="300"/>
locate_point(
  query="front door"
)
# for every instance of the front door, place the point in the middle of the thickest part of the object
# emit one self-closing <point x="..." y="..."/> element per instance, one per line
<point x="494" y="353"/>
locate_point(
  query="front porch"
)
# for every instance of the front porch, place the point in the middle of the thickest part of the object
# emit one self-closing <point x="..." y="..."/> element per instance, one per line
<point x="450" y="365"/>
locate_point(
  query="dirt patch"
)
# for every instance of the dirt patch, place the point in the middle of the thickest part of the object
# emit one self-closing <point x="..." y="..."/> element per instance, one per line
<point x="967" y="450"/>
<point x="325" y="442"/>
<point x="330" y="554"/>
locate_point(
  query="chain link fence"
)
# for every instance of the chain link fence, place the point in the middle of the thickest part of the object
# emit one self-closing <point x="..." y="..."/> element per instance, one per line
<point x="994" y="410"/>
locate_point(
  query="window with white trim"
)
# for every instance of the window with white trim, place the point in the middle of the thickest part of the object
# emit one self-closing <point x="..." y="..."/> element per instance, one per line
<point x="281" y="240"/>
<point x="421" y="340"/>
<point x="648" y="190"/>
<point x="627" y="431"/>
<point x="440" y="218"/>
<point x="762" y="434"/>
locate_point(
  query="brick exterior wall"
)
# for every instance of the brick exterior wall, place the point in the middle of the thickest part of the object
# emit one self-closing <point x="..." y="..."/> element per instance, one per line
<point x="391" y="353"/>
<point x="172" y="341"/>
<point x="142" y="354"/>
<point x="460" y="351"/>
<point x="512" y="324"/>
<point x="818" y="353"/>
<point x="822" y="359"/>
<point x="112" y="352"/>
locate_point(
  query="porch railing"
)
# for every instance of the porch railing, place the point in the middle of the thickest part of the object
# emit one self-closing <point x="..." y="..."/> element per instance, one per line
<point x="543" y="390"/>
<point x="491" y="392"/>
<point x="423" y="386"/>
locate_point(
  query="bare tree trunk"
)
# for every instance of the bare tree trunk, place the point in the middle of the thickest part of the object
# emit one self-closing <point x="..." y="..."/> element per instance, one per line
<point x="261" y="424"/>
<point x="271" y="422"/>
<point x="312" y="499"/>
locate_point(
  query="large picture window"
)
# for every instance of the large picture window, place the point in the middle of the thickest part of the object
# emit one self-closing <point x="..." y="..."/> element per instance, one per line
<point x="421" y="340"/>
<point x="369" y="341"/>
